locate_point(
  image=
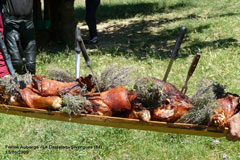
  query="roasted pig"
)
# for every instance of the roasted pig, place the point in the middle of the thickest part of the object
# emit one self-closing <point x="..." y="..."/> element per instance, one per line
<point x="173" y="105"/>
<point x="47" y="87"/>
<point x="113" y="101"/>
<point x="139" y="112"/>
<point x="27" y="97"/>
<point x="170" y="90"/>
<point x="171" y="110"/>
<point x="227" y="107"/>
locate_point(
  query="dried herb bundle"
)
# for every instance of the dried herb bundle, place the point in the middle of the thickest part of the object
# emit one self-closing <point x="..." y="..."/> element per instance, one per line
<point x="9" y="85"/>
<point x="149" y="92"/>
<point x="60" y="75"/>
<point x="75" y="104"/>
<point x="204" y="102"/>
<point x="115" y="76"/>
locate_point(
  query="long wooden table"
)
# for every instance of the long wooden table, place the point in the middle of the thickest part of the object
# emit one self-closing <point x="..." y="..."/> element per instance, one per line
<point x="177" y="128"/>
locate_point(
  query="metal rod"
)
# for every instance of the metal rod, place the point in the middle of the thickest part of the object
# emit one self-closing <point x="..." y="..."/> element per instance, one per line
<point x="95" y="80"/>
<point x="77" y="65"/>
<point x="168" y="70"/>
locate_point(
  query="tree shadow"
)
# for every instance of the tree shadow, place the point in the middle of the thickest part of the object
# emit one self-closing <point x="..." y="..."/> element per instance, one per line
<point x="220" y="43"/>
<point x="225" y="15"/>
<point x="135" y="38"/>
<point x="121" y="11"/>
<point x="106" y="13"/>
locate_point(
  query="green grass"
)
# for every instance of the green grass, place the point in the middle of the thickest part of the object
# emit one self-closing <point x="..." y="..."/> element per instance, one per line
<point x="140" y="33"/>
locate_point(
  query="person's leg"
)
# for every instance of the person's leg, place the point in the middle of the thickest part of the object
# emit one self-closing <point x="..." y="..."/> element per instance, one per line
<point x="91" y="8"/>
<point x="10" y="30"/>
<point x="29" y="45"/>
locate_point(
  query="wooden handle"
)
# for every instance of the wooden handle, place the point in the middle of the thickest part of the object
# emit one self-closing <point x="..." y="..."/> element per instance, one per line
<point x="194" y="64"/>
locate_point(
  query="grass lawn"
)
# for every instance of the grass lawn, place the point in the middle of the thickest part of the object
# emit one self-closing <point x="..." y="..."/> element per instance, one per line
<point x="139" y="33"/>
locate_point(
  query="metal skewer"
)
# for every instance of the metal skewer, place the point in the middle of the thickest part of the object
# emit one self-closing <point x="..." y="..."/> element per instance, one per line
<point x="175" y="51"/>
<point x="80" y="46"/>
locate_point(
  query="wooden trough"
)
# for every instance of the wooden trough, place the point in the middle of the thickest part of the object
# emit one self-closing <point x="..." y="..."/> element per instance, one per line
<point x="177" y="128"/>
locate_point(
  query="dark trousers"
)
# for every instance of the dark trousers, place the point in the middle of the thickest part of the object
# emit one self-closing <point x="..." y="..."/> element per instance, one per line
<point x="91" y="8"/>
<point x="25" y="49"/>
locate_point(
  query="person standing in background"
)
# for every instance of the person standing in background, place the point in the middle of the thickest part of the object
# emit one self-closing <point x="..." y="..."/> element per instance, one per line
<point x="3" y="67"/>
<point x="19" y="34"/>
<point x="91" y="9"/>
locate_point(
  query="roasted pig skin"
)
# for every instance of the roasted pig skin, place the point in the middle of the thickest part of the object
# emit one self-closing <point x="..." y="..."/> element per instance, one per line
<point x="144" y="115"/>
<point x="101" y="108"/>
<point x="171" y="90"/>
<point x="227" y="107"/>
<point x="47" y="87"/>
<point x="111" y="102"/>
<point x="117" y="99"/>
<point x="175" y="105"/>
<point x="87" y="81"/>
<point x="34" y="100"/>
<point x="17" y="101"/>
<point x="171" y="112"/>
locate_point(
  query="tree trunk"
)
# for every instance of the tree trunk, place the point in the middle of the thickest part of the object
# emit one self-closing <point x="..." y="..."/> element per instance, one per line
<point x="62" y="20"/>
<point x="46" y="9"/>
<point x="37" y="10"/>
<point x="68" y="21"/>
